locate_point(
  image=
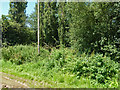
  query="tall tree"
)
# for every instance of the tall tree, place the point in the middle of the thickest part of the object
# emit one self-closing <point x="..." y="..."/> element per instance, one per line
<point x="14" y="25"/>
<point x="50" y="23"/>
<point x="92" y="25"/>
<point x="32" y="20"/>
<point x="63" y="24"/>
<point x="17" y="12"/>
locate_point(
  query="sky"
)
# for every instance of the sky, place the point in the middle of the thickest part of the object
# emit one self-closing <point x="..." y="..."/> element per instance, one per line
<point x="4" y="7"/>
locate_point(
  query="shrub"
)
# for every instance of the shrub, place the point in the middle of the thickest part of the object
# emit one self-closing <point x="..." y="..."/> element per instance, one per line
<point x="97" y="67"/>
<point x="112" y="51"/>
<point x="21" y="54"/>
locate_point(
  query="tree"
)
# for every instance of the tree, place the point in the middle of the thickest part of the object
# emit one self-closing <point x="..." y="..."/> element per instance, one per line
<point x="32" y="21"/>
<point x="63" y="24"/>
<point x="14" y="25"/>
<point x="0" y="32"/>
<point x="92" y="25"/>
<point x="50" y="23"/>
<point x="17" y="12"/>
<point x="79" y="25"/>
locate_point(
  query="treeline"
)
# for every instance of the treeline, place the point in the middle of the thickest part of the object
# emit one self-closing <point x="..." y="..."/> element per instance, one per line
<point x="90" y="27"/>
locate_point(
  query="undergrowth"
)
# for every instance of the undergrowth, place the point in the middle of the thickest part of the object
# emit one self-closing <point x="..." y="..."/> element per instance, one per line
<point x="61" y="67"/>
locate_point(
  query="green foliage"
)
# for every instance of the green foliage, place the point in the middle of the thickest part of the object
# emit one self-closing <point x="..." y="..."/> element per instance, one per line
<point x="112" y="51"/>
<point x="81" y="25"/>
<point x="54" y="25"/>
<point x="63" y="24"/>
<point x="102" y="71"/>
<point x="17" y="12"/>
<point x="93" y="25"/>
<point x="97" y="67"/>
<point x="0" y="32"/>
<point x="19" y="35"/>
<point x="14" y="30"/>
<point x="48" y="23"/>
<point x="21" y="54"/>
<point x="37" y="72"/>
<point x="84" y="26"/>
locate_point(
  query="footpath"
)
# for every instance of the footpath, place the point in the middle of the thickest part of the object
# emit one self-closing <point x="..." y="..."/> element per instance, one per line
<point x="11" y="81"/>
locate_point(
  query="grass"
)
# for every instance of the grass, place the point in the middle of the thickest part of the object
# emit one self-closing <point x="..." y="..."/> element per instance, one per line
<point x="55" y="69"/>
<point x="54" y="80"/>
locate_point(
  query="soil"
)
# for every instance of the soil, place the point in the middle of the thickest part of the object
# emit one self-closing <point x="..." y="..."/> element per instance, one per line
<point x="12" y="81"/>
<point x="9" y="81"/>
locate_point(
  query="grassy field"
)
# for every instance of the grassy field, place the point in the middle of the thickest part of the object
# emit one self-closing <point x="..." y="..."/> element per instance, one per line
<point x="60" y="68"/>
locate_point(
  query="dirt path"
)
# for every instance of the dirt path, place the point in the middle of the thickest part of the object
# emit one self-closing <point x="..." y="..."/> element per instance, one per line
<point x="10" y="81"/>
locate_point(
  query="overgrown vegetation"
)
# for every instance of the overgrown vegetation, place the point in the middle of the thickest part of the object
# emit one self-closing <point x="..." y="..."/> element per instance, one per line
<point x="79" y="42"/>
<point x="98" y="70"/>
<point x="83" y="26"/>
<point x="22" y="54"/>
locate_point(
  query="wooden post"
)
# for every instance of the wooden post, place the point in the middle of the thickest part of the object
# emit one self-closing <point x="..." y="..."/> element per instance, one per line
<point x="38" y="31"/>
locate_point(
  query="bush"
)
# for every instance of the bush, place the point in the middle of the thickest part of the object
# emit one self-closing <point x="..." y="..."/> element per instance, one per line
<point x="97" y="67"/>
<point x="112" y="51"/>
<point x="11" y="37"/>
<point x="61" y="58"/>
<point x="21" y="54"/>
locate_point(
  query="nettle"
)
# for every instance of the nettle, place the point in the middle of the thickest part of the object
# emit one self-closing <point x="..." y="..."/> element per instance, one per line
<point x="97" y="67"/>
